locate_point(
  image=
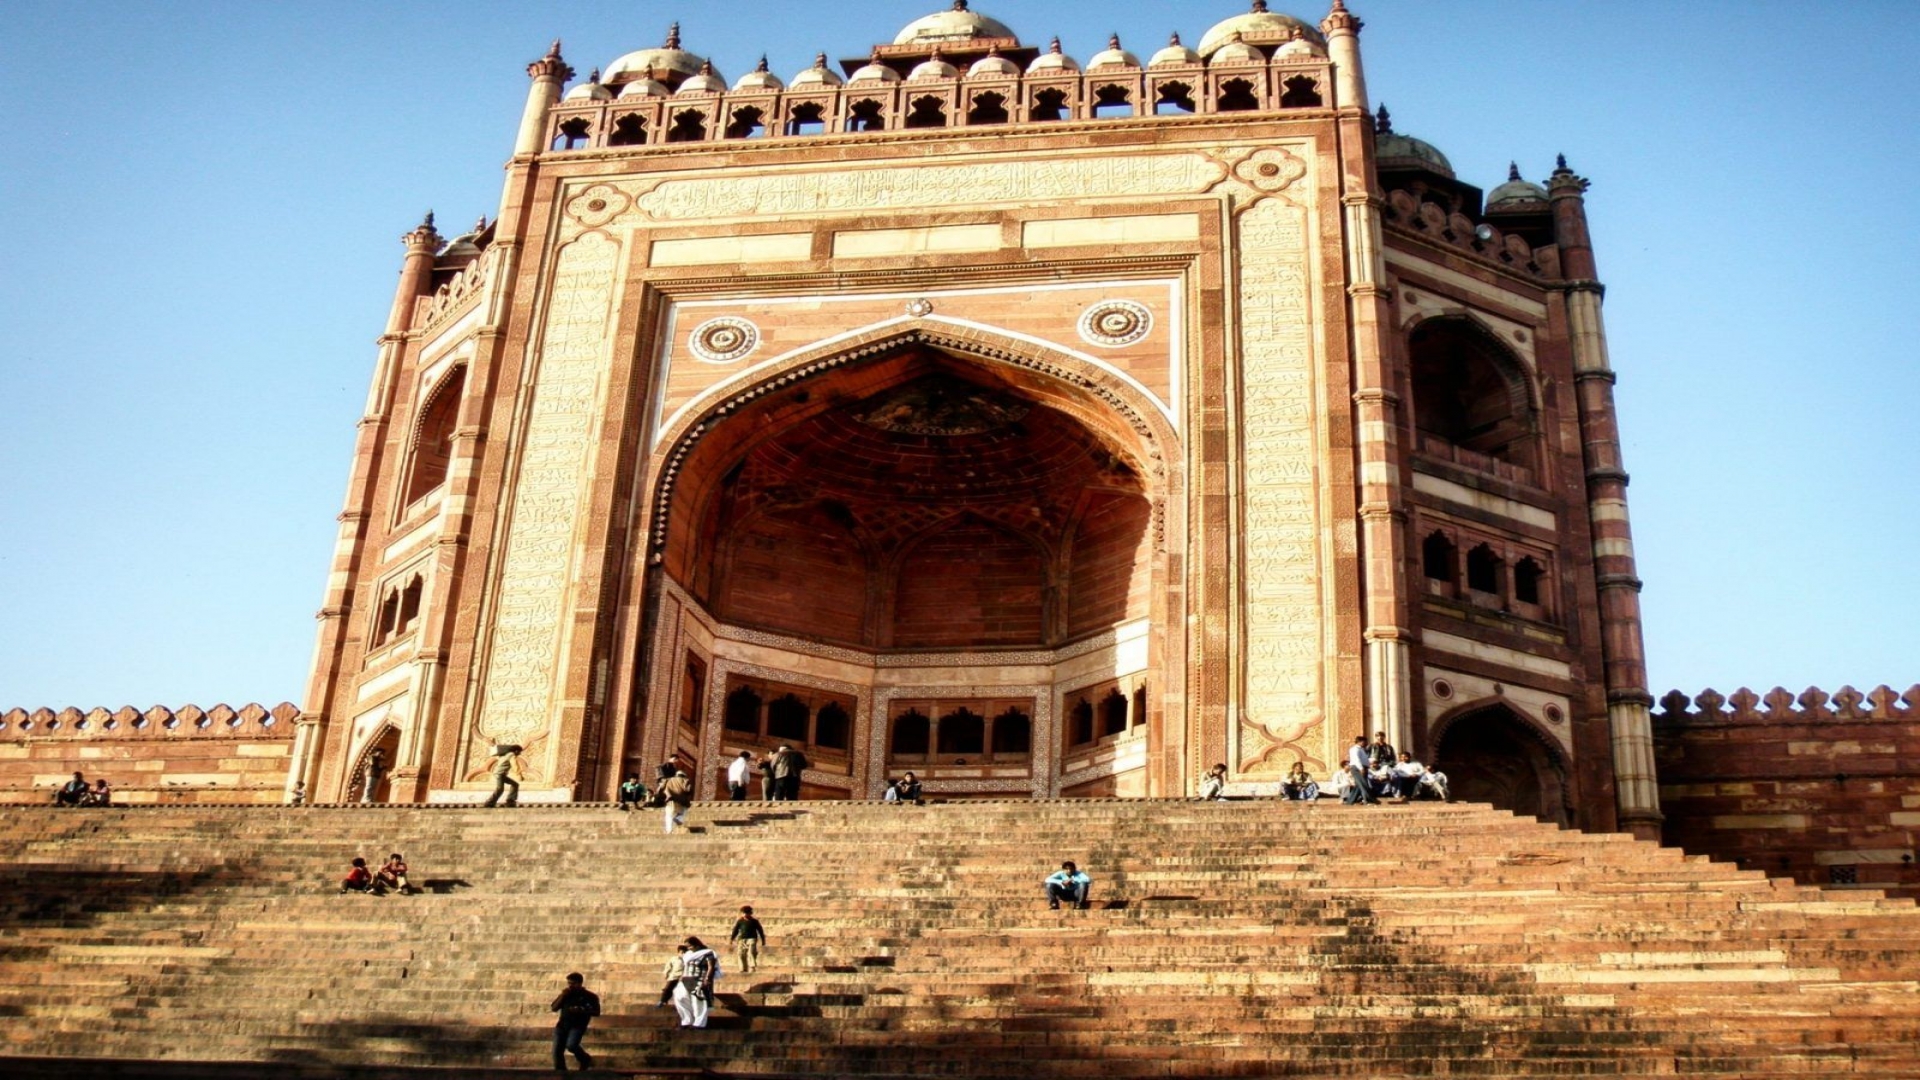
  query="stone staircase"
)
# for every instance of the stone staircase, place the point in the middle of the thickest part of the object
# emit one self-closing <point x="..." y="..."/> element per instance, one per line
<point x="1251" y="939"/>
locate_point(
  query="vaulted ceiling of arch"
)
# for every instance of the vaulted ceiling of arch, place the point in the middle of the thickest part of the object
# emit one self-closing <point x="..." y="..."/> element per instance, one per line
<point x="891" y="453"/>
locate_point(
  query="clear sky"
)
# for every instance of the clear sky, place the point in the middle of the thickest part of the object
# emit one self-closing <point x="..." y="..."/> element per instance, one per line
<point x="201" y="205"/>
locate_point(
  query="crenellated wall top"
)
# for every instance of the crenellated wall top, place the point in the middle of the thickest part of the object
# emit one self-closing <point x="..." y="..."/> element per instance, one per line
<point x="251" y="722"/>
<point x="1782" y="706"/>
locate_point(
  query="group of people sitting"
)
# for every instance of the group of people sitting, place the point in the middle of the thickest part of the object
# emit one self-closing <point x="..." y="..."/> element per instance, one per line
<point x="76" y="792"/>
<point x="904" y="790"/>
<point x="391" y="877"/>
<point x="1373" y="772"/>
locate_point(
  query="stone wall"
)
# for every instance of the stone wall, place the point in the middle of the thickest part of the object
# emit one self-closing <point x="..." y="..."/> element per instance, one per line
<point x="1822" y="788"/>
<point x="188" y="755"/>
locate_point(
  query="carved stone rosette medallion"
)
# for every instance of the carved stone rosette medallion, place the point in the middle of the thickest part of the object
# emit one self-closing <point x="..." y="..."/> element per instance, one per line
<point x="723" y="340"/>
<point x="1114" y="323"/>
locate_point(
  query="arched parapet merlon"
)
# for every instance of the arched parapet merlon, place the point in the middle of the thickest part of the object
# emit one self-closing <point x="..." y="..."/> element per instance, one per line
<point x="251" y="722"/>
<point x="1782" y="706"/>
<point x="1098" y="396"/>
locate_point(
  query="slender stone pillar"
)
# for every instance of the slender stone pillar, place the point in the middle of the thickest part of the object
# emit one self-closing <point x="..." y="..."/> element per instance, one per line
<point x="1376" y="406"/>
<point x="1636" y="789"/>
<point x="548" y="73"/>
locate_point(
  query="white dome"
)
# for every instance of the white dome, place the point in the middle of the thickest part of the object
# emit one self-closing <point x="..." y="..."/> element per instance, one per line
<point x="1258" y="25"/>
<point x="759" y="81"/>
<point x="591" y="90"/>
<point x="707" y="82"/>
<point x="957" y="24"/>
<point x="934" y="68"/>
<point x="644" y="88"/>
<point x="993" y="66"/>
<point x="1053" y="60"/>
<point x="1113" y="56"/>
<point x="1236" y="51"/>
<point x="817" y="75"/>
<point x="667" y="63"/>
<point x="1299" y="49"/>
<point x="1174" y="53"/>
<point x="874" y="71"/>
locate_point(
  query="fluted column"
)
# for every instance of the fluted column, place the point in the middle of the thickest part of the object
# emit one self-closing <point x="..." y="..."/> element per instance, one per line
<point x="548" y="74"/>
<point x="1636" y="788"/>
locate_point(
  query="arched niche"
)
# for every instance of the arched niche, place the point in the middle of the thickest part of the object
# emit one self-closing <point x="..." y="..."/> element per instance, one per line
<point x="1471" y="392"/>
<point x="1492" y="753"/>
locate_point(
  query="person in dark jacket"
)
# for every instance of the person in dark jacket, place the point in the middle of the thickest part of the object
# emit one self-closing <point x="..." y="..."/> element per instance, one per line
<point x="577" y="1007"/>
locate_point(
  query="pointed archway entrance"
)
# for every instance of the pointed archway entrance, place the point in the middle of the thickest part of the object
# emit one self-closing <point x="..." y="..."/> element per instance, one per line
<point x="1492" y="754"/>
<point x="918" y="554"/>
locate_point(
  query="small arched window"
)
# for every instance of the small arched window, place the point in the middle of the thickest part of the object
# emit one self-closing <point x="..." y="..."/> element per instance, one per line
<point x="1299" y="94"/>
<point x="1113" y="713"/>
<point x="832" y="727"/>
<point x="409" y="604"/>
<point x="1437" y="558"/>
<point x="787" y="718"/>
<point x="689" y="126"/>
<point x="433" y="437"/>
<point x="1483" y="570"/>
<point x="1112" y="102"/>
<point x="1080" y="723"/>
<point x="748" y="123"/>
<point x="808" y="119"/>
<point x="927" y="112"/>
<point x="1050" y="104"/>
<point x="868" y="115"/>
<point x="1012" y="734"/>
<point x="963" y="732"/>
<point x="629" y="130"/>
<point x="911" y="730"/>
<point x="1139" y="705"/>
<point x="1236" y="95"/>
<point x="988" y="108"/>
<point x="1173" y="99"/>
<point x="573" y="134"/>
<point x="743" y="711"/>
<point x="1526" y="581"/>
<point x="388" y="618"/>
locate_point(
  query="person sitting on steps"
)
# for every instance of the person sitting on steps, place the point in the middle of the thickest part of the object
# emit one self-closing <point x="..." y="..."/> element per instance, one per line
<point x="1068" y="883"/>
<point x="71" y="793"/>
<point x="101" y="795"/>
<point x="632" y="792"/>
<point x="392" y="875"/>
<point x="1214" y="786"/>
<point x="359" y="879"/>
<point x="1298" y="786"/>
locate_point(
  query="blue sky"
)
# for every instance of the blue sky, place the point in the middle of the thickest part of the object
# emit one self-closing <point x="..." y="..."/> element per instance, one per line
<point x="202" y="204"/>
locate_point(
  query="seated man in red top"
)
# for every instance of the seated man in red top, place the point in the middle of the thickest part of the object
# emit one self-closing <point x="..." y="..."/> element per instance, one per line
<point x="359" y="879"/>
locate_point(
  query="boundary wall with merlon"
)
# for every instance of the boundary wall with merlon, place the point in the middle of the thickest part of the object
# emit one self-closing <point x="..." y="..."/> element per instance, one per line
<point x="1821" y="787"/>
<point x="159" y="756"/>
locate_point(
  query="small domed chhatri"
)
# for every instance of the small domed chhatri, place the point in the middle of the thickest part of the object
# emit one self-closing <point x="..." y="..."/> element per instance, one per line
<point x="759" y="81"/>
<point x="1394" y="150"/>
<point x="816" y="76"/>
<point x="874" y="71"/>
<point x="1113" y="57"/>
<point x="669" y="64"/>
<point x="993" y="66"/>
<point x="591" y="90"/>
<point x="958" y="23"/>
<point x="933" y="68"/>
<point x="708" y="81"/>
<point x="1256" y="27"/>
<point x="1515" y="191"/>
<point x="1234" y="51"/>
<point x="640" y="88"/>
<point x="1053" y="61"/>
<point x="1174" y="54"/>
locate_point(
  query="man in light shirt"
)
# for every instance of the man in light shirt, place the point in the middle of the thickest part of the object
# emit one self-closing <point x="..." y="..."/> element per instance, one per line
<point x="1357" y="763"/>
<point x="737" y="774"/>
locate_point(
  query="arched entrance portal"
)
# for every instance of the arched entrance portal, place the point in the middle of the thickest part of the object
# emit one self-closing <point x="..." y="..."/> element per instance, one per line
<point x="1491" y="754"/>
<point x="907" y="562"/>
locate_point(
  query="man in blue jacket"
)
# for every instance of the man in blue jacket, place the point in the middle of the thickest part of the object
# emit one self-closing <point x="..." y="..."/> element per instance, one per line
<point x="1068" y="883"/>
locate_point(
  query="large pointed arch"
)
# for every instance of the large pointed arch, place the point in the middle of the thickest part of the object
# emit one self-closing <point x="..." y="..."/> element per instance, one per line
<point x="1492" y="751"/>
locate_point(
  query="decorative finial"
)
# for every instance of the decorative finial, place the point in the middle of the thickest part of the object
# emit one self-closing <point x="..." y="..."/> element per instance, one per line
<point x="1055" y="47"/>
<point x="553" y="51"/>
<point x="1383" y="122"/>
<point x="820" y="61"/>
<point x="762" y="65"/>
<point x="1339" y="5"/>
<point x="673" y="36"/>
<point x="959" y="5"/>
<point x="1173" y="39"/>
<point x="1513" y="171"/>
<point x="481" y="225"/>
<point x="1113" y="42"/>
<point x="594" y="77"/>
<point x="427" y="222"/>
<point x="706" y="67"/>
<point x="1259" y="7"/>
<point x="1560" y="163"/>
